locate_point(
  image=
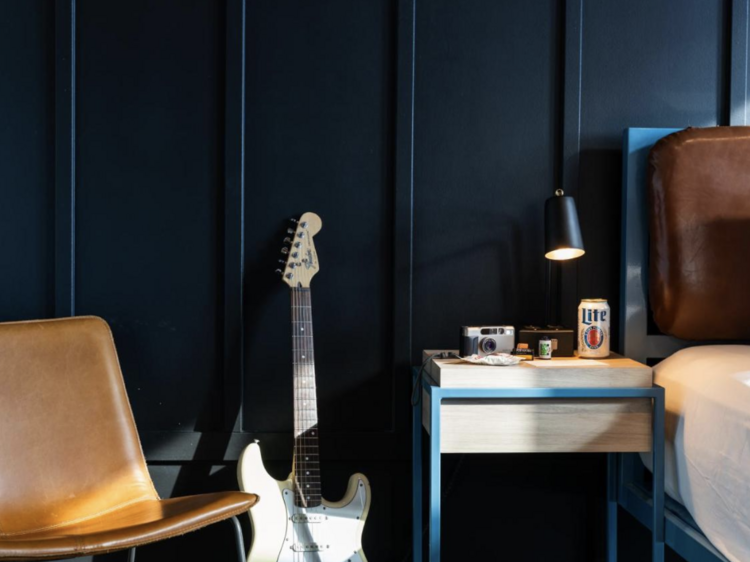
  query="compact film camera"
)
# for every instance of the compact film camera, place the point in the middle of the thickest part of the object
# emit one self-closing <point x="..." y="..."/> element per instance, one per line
<point x="486" y="340"/>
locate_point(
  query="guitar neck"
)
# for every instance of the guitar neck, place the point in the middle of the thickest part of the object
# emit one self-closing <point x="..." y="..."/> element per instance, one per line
<point x="306" y="458"/>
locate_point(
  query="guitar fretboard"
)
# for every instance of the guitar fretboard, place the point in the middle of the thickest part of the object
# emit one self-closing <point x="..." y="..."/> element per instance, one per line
<point x="306" y="459"/>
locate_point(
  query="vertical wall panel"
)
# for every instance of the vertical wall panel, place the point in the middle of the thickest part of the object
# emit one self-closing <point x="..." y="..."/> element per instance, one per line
<point x="642" y="67"/>
<point x="319" y="138"/>
<point x="27" y="159"/>
<point x="739" y="112"/>
<point x="485" y="152"/>
<point x="150" y="164"/>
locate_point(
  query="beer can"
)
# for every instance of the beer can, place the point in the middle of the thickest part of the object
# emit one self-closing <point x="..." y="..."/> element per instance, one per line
<point x="593" y="329"/>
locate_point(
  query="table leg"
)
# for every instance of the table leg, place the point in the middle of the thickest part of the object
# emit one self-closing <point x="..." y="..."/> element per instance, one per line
<point x="657" y="538"/>
<point x="612" y="507"/>
<point x="435" y="403"/>
<point x="416" y="480"/>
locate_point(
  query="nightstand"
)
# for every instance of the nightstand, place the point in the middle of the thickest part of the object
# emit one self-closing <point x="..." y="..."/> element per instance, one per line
<point x="563" y="405"/>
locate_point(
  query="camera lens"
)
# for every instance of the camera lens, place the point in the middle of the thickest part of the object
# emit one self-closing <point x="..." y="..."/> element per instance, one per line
<point x="488" y="345"/>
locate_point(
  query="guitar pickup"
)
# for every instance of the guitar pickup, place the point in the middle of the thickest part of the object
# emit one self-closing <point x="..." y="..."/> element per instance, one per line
<point x="309" y="547"/>
<point x="307" y="518"/>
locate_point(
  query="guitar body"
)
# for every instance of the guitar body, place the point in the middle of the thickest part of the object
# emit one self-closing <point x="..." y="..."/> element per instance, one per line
<point x="284" y="532"/>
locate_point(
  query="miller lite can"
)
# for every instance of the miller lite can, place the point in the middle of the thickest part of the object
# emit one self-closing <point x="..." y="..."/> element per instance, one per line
<point x="593" y="329"/>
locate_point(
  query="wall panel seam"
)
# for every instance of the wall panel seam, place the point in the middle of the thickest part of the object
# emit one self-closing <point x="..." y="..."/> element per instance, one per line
<point x="403" y="266"/>
<point x="572" y="125"/>
<point x="738" y="68"/>
<point x="234" y="215"/>
<point x="65" y="157"/>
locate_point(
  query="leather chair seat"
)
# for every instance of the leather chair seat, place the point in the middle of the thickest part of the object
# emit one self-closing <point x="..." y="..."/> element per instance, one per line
<point x="133" y="524"/>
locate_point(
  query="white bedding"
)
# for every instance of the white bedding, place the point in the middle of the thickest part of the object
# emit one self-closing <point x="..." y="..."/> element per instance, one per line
<point x="708" y="441"/>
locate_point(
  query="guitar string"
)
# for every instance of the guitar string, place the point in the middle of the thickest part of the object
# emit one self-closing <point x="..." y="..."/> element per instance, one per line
<point x="299" y="502"/>
<point x="295" y="468"/>
<point x="303" y="414"/>
<point x="306" y="415"/>
<point x="312" y="425"/>
<point x="316" y="432"/>
<point x="320" y="529"/>
<point x="299" y="465"/>
<point x="312" y="401"/>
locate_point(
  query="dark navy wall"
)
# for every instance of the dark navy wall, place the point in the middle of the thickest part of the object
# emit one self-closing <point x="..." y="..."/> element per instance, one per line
<point x="152" y="150"/>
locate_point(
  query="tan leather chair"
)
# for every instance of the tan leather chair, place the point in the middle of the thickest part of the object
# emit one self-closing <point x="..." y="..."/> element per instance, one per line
<point x="73" y="480"/>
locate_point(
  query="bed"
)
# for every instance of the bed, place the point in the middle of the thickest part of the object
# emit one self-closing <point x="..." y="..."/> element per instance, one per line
<point x="685" y="307"/>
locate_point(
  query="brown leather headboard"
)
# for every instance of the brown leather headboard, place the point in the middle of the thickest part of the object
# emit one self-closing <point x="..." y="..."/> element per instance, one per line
<point x="699" y="205"/>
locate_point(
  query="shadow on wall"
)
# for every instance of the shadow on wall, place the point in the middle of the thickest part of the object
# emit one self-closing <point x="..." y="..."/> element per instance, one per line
<point x="599" y="206"/>
<point x="198" y="476"/>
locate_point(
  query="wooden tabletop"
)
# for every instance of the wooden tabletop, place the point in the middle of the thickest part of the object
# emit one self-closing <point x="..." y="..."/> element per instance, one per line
<point x="559" y="372"/>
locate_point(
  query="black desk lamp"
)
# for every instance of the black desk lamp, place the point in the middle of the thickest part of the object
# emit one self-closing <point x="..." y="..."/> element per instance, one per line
<point x="562" y="240"/>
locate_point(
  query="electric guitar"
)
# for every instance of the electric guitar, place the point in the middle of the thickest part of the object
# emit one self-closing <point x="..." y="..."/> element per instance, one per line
<point x="292" y="522"/>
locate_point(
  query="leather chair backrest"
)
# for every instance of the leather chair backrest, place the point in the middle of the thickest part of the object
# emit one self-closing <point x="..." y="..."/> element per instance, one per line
<point x="68" y="443"/>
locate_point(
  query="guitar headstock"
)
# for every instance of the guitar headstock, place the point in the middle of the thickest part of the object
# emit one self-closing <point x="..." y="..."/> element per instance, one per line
<point x="300" y="258"/>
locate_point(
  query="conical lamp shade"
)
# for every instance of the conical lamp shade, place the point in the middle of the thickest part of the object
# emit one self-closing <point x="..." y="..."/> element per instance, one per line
<point x="562" y="233"/>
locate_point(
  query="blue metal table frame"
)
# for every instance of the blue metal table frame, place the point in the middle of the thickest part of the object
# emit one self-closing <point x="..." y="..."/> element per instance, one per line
<point x="438" y="394"/>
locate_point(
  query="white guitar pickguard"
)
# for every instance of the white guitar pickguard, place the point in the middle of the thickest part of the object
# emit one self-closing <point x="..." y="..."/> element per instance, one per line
<point x="330" y="534"/>
<point x="284" y="532"/>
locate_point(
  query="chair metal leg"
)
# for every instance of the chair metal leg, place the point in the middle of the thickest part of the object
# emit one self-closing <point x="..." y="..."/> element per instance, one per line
<point x="239" y="540"/>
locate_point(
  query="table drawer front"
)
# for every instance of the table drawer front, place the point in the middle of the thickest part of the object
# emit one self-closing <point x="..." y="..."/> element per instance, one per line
<point x="545" y="426"/>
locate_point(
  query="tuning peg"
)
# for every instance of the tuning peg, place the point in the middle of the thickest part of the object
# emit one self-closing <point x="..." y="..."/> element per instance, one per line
<point x="293" y="220"/>
<point x="282" y="261"/>
<point x="297" y="244"/>
<point x="287" y="240"/>
<point x="294" y="255"/>
<point x="290" y="231"/>
<point x="284" y="250"/>
<point x="289" y="275"/>
<point x="301" y="235"/>
<point x="279" y="272"/>
<point x="303" y="224"/>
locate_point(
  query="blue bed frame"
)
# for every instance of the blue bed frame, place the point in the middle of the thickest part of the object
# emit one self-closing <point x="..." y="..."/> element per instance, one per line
<point x="634" y="493"/>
